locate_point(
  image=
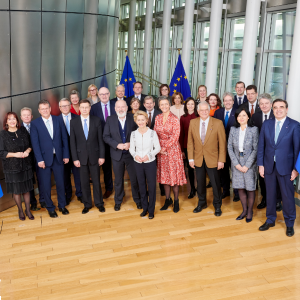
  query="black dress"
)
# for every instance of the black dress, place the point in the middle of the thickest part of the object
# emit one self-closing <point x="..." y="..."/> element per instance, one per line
<point x="18" y="172"/>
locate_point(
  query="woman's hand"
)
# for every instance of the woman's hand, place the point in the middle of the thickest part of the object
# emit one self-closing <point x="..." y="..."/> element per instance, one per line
<point x="19" y="154"/>
<point x="25" y="154"/>
<point x="183" y="155"/>
<point x="145" y="158"/>
<point x="245" y="169"/>
<point x="163" y="152"/>
<point x="138" y="158"/>
<point x="239" y="167"/>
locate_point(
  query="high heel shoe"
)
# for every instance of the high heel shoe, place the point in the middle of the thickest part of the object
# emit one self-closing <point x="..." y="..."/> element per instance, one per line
<point x="168" y="202"/>
<point x="240" y="217"/>
<point x="22" y="218"/>
<point x="248" y="220"/>
<point x="176" y="206"/>
<point x="30" y="218"/>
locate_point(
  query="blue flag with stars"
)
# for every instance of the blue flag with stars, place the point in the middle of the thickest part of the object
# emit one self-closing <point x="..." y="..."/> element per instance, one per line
<point x="179" y="82"/>
<point x="128" y="79"/>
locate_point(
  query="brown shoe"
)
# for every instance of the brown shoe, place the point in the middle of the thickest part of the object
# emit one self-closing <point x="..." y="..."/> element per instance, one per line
<point x="107" y="194"/>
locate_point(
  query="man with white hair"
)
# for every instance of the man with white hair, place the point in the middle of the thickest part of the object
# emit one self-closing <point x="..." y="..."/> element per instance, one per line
<point x="116" y="134"/>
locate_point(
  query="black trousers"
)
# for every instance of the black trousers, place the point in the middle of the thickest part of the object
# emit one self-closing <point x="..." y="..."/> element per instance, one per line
<point x="85" y="172"/>
<point x="225" y="176"/>
<point x="119" y="169"/>
<point x="214" y="177"/>
<point x="107" y="170"/>
<point x="190" y="171"/>
<point x="67" y="178"/>
<point x="147" y="172"/>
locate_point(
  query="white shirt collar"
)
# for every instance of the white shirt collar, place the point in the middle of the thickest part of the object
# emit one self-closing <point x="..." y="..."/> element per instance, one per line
<point x="82" y="118"/>
<point x="282" y="121"/>
<point x="69" y="116"/>
<point x="45" y="120"/>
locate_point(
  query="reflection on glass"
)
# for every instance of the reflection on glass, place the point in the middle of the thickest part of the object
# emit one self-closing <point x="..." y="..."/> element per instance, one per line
<point x="237" y="31"/>
<point x="233" y="70"/>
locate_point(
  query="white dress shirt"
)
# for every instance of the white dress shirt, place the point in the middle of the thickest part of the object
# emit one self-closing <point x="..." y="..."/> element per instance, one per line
<point x="87" y="122"/>
<point x="69" y="118"/>
<point x="229" y="112"/>
<point x="250" y="106"/>
<point x="268" y="116"/>
<point x="119" y="98"/>
<point x="152" y="113"/>
<point x="103" y="108"/>
<point x="139" y="96"/>
<point x="51" y="126"/>
<point x="122" y="122"/>
<point x="242" y="134"/>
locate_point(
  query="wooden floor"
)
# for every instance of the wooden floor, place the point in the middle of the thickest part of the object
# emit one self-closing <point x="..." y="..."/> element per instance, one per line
<point x="119" y="255"/>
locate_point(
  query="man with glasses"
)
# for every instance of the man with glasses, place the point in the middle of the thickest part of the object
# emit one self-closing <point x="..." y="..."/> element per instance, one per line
<point x="103" y="110"/>
<point x="49" y="140"/>
<point x="67" y="116"/>
<point x="120" y="93"/>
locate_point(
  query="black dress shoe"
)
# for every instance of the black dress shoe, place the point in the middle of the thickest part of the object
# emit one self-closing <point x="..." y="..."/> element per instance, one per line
<point x="64" y="211"/>
<point x="43" y="204"/>
<point x="192" y="194"/>
<point x="117" y="207"/>
<point x="85" y="210"/>
<point x="262" y="204"/>
<point x="266" y="226"/>
<point x="290" y="231"/>
<point x="79" y="198"/>
<point x="199" y="208"/>
<point x="34" y="207"/>
<point x="176" y="206"/>
<point x="225" y="194"/>
<point x="218" y="212"/>
<point x="68" y="200"/>
<point x="208" y="185"/>
<point x="151" y="216"/>
<point x="168" y="202"/>
<point x="139" y="206"/>
<point x="101" y="208"/>
<point x="144" y="213"/>
<point x="236" y="198"/>
<point x="278" y="206"/>
<point x="240" y="217"/>
<point x="53" y="214"/>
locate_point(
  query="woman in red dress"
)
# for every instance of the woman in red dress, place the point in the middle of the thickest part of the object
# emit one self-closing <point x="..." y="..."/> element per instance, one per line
<point x="75" y="98"/>
<point x="170" y="168"/>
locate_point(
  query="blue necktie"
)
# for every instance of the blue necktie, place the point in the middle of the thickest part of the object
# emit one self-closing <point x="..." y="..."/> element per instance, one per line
<point x="49" y="129"/>
<point x="226" y="118"/>
<point x="28" y="128"/>
<point x="85" y="130"/>
<point x="67" y="124"/>
<point x="277" y="131"/>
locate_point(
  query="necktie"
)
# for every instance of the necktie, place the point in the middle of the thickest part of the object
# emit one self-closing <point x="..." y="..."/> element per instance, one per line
<point x="252" y="110"/>
<point x="226" y="118"/>
<point x="106" y="112"/>
<point x="67" y="124"/>
<point x="203" y="132"/>
<point x="149" y="121"/>
<point x="240" y="100"/>
<point x="266" y="117"/>
<point x="28" y="128"/>
<point x="277" y="131"/>
<point x="49" y="128"/>
<point x="85" y="129"/>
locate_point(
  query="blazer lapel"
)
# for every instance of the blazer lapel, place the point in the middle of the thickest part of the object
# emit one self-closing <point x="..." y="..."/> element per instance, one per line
<point x="117" y="126"/>
<point x="246" y="136"/>
<point x="283" y="131"/>
<point x="197" y="128"/>
<point x="271" y="125"/>
<point x="90" y="127"/>
<point x="209" y="130"/>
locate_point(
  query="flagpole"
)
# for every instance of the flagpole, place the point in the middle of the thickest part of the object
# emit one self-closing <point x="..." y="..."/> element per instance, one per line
<point x="178" y="51"/>
<point x="126" y="52"/>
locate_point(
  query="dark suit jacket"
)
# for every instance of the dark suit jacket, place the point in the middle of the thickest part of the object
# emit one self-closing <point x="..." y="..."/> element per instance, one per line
<point x="245" y="106"/>
<point x="256" y="119"/>
<point x="286" y="149"/>
<point x="90" y="149"/>
<point x="96" y="110"/>
<point x="220" y="114"/>
<point x="142" y="107"/>
<point x="155" y="113"/>
<point x="112" y="137"/>
<point x="235" y="104"/>
<point x="43" y="144"/>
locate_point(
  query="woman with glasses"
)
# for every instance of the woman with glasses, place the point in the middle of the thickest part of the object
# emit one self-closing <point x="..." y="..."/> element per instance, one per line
<point x="164" y="90"/>
<point x="92" y="95"/>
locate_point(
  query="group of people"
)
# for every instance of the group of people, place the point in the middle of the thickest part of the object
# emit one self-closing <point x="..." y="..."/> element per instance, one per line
<point x="152" y="139"/>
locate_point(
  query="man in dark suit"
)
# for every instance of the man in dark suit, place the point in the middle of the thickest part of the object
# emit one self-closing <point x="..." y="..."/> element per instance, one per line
<point x="26" y="117"/>
<point x="252" y="105"/>
<point x="240" y="96"/>
<point x="226" y="115"/>
<point x="67" y="116"/>
<point x="88" y="153"/>
<point x="138" y="89"/>
<point x="103" y="110"/>
<point x="120" y="93"/>
<point x="49" y="140"/>
<point x="278" y="150"/>
<point x="117" y="133"/>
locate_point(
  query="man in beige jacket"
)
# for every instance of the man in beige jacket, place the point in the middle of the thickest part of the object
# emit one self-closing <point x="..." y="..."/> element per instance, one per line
<point x="207" y="153"/>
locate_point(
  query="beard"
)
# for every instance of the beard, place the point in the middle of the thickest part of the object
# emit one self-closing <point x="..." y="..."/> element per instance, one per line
<point x="121" y="114"/>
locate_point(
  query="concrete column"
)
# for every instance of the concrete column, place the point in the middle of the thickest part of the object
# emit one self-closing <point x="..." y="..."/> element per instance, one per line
<point x="249" y="42"/>
<point x="187" y="35"/>
<point x="165" y="41"/>
<point x="213" y="45"/>
<point x="294" y="76"/>
<point x="147" y="43"/>
<point x="131" y="30"/>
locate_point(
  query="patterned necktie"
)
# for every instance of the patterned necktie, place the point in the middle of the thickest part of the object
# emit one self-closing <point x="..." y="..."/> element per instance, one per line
<point x="240" y="100"/>
<point x="85" y="129"/>
<point x="149" y="121"/>
<point x="252" y="109"/>
<point x="28" y="128"/>
<point x="277" y="131"/>
<point x="226" y="118"/>
<point x="49" y="128"/>
<point x="67" y="124"/>
<point x="106" y="112"/>
<point x="203" y="132"/>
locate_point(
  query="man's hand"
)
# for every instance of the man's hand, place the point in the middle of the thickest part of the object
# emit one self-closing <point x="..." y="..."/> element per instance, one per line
<point x="121" y="146"/>
<point x="101" y="161"/>
<point x="77" y="163"/>
<point x="192" y="164"/>
<point x="42" y="165"/>
<point x="138" y="158"/>
<point x="220" y="165"/>
<point x="244" y="169"/>
<point x="261" y="170"/>
<point x="126" y="146"/>
<point x="66" y="160"/>
<point x="294" y="175"/>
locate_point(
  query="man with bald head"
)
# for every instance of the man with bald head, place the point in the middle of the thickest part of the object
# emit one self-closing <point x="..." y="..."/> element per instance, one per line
<point x="116" y="134"/>
<point x="120" y="93"/>
<point x="103" y="110"/>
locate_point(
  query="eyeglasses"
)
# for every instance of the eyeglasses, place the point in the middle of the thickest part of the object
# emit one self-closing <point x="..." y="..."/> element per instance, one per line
<point x="44" y="109"/>
<point x="93" y="90"/>
<point x="65" y="106"/>
<point x="104" y="94"/>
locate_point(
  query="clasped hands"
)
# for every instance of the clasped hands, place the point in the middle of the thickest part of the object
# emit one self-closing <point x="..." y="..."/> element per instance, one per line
<point x="123" y="146"/>
<point x="22" y="154"/>
<point x="243" y="169"/>
<point x="141" y="160"/>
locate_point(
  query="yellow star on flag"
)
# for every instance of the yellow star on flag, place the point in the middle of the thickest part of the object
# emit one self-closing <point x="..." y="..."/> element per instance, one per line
<point x="175" y="84"/>
<point x="174" y="91"/>
<point x="130" y="79"/>
<point x="185" y="77"/>
<point x="181" y="76"/>
<point x="178" y="79"/>
<point x="125" y="80"/>
<point x="123" y="84"/>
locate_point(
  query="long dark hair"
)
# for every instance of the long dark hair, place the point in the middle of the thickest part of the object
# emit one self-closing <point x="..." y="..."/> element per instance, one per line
<point x="6" y="117"/>
<point x="237" y="112"/>
<point x="219" y="103"/>
<point x="186" y="113"/>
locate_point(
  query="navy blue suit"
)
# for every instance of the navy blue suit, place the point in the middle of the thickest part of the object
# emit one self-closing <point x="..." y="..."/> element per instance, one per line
<point x="285" y="151"/>
<point x="236" y="103"/>
<point x="71" y="167"/>
<point x="96" y="110"/>
<point x="43" y="146"/>
<point x="225" y="174"/>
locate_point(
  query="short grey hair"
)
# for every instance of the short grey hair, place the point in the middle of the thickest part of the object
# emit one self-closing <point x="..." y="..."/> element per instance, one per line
<point x="203" y="103"/>
<point x="26" y="108"/>
<point x="148" y="98"/>
<point x="228" y="94"/>
<point x="265" y="96"/>
<point x="74" y="92"/>
<point x="120" y="85"/>
<point x="64" y="99"/>
<point x="160" y="98"/>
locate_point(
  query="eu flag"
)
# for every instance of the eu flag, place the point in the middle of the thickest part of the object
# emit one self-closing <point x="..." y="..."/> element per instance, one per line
<point x="128" y="79"/>
<point x="180" y="82"/>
